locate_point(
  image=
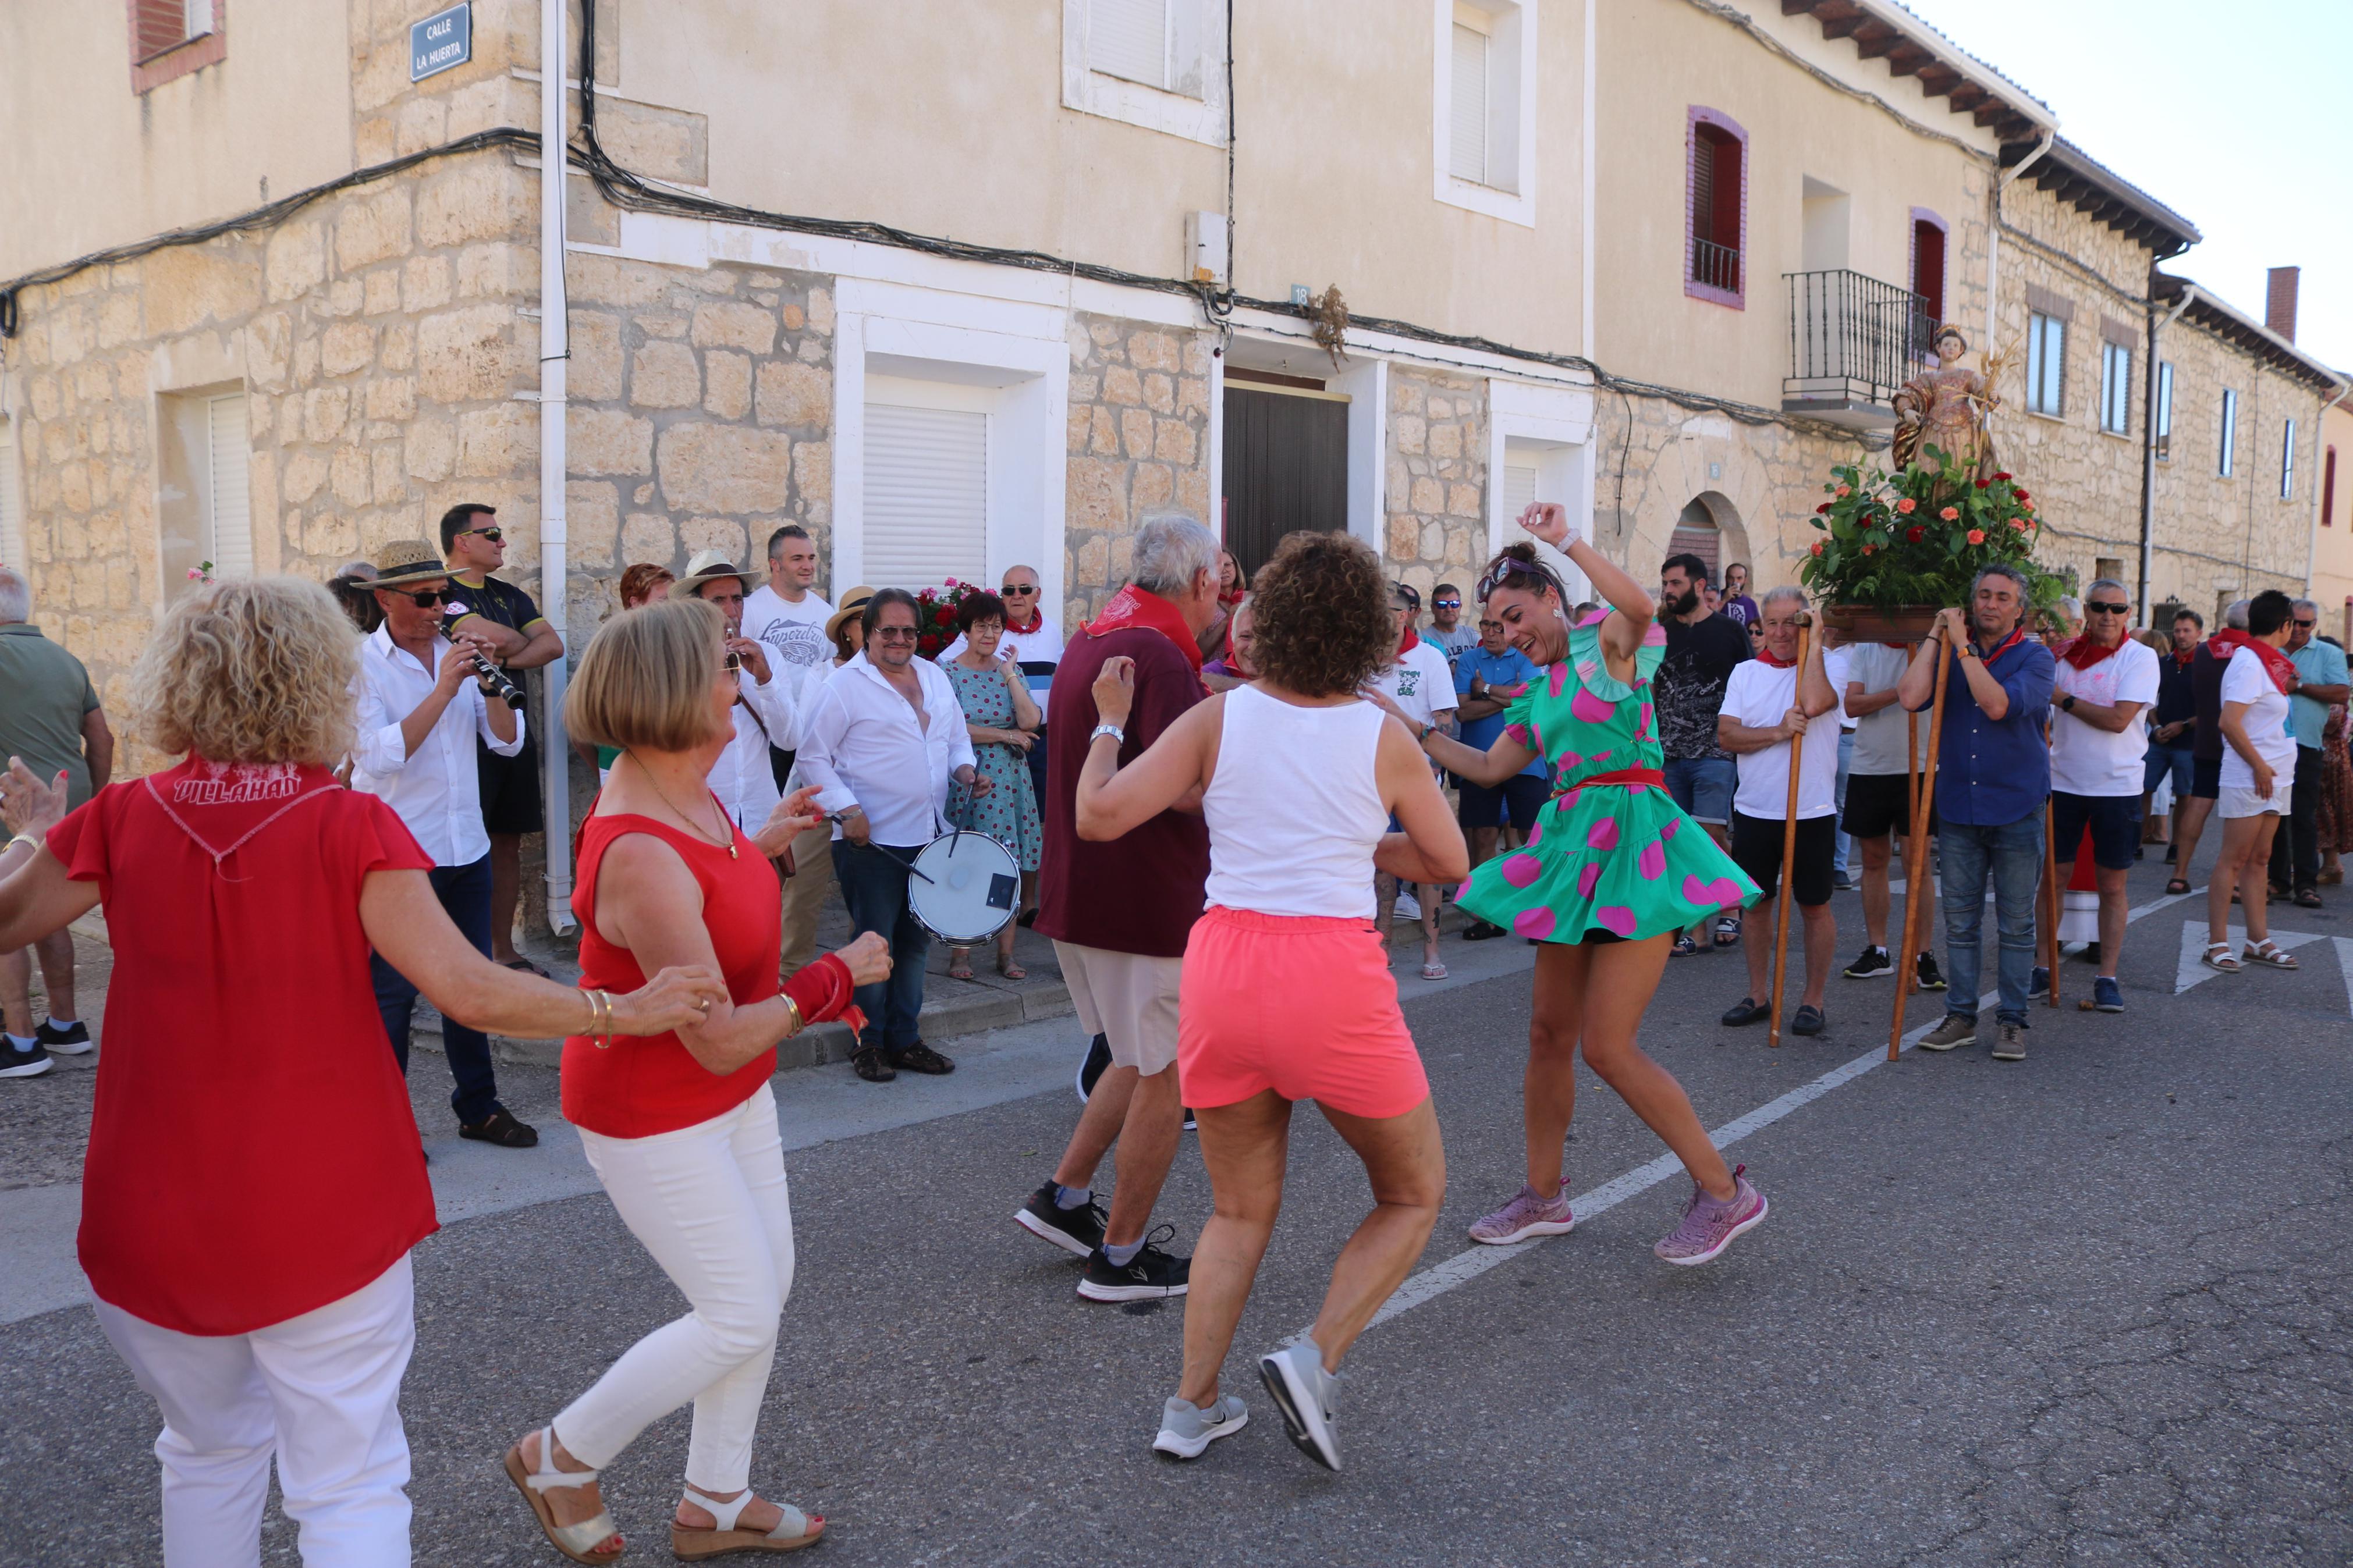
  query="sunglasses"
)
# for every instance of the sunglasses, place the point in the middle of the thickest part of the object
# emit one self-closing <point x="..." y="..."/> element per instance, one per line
<point x="425" y="599"/>
<point x="493" y="534"/>
<point x="896" y="634"/>
<point x="2306" y="626"/>
<point x="2097" y="608"/>
<point x="1012" y="589"/>
<point x="731" y="663"/>
<point x="1446" y="603"/>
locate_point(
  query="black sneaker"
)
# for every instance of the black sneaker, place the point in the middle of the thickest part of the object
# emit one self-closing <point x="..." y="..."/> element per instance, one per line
<point x="1150" y="1275"/>
<point x="1077" y="1231"/>
<point x="73" y="1040"/>
<point x="1931" y="978"/>
<point x="16" y="1061"/>
<point x="1875" y="965"/>
<point x="1098" y="1063"/>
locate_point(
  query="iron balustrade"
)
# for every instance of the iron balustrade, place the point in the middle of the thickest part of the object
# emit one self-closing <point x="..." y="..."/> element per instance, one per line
<point x="1714" y="266"/>
<point x="1854" y="339"/>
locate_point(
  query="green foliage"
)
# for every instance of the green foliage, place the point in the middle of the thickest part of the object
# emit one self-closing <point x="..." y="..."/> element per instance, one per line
<point x="1918" y="537"/>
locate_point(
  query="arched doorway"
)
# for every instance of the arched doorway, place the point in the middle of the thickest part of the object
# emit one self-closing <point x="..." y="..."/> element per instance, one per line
<point x="1709" y="527"/>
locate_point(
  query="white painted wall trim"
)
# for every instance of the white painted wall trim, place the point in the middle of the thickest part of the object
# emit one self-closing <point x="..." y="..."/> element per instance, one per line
<point x="1513" y="17"/>
<point x="1554" y="427"/>
<point x="1366" y="383"/>
<point x="1196" y="119"/>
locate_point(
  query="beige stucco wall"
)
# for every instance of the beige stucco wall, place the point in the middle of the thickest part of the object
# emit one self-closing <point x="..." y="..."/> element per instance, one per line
<point x="91" y="163"/>
<point x="1661" y="57"/>
<point x="2332" y="548"/>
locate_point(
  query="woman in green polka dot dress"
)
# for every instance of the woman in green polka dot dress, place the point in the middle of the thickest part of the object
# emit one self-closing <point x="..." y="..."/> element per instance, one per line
<point x="1611" y="872"/>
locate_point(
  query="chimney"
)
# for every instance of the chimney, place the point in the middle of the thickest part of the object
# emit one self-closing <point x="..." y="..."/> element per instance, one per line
<point x="2279" y="300"/>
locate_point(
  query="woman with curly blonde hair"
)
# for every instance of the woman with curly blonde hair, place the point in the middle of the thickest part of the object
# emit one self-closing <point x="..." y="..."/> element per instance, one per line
<point x="1287" y="994"/>
<point x="251" y="1195"/>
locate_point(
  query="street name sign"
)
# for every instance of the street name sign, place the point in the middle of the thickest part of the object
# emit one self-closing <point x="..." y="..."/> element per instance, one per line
<point x="444" y="39"/>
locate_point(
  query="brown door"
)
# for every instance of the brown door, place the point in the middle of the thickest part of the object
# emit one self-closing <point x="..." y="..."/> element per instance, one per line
<point x="1286" y="462"/>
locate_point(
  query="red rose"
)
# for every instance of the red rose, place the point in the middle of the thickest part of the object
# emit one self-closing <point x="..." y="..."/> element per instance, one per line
<point x="945" y="616"/>
<point x="1985" y="484"/>
<point x="1906" y="506"/>
<point x="1818" y="547"/>
<point x="1915" y="533"/>
<point x="1867" y="549"/>
<point x="2020" y="494"/>
<point x="1977" y="536"/>
<point x="2019" y="523"/>
<point x="1824" y="507"/>
<point x="2001" y="475"/>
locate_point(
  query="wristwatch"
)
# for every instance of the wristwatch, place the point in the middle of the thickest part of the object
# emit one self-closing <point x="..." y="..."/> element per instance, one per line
<point x="2067" y="703"/>
<point x="1113" y="731"/>
<point x="1423" y="738"/>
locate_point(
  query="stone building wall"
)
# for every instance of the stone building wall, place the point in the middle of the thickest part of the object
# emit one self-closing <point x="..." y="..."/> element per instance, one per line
<point x="1436" y="502"/>
<point x="1139" y="443"/>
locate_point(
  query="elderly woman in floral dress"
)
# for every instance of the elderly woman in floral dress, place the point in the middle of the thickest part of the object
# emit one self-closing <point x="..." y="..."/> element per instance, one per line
<point x="1004" y="721"/>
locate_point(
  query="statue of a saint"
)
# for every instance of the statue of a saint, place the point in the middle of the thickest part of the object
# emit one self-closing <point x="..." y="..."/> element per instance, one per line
<point x="1946" y="409"/>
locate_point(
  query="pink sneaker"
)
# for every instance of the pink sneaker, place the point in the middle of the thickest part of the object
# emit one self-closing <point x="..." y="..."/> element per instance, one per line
<point x="1527" y="1216"/>
<point x="1709" y="1225"/>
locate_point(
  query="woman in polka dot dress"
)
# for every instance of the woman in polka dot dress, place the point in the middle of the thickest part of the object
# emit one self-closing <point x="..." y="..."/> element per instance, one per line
<point x="1611" y="872"/>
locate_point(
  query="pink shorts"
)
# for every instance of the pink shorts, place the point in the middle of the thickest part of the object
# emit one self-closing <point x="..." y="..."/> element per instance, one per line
<point x="1302" y="1005"/>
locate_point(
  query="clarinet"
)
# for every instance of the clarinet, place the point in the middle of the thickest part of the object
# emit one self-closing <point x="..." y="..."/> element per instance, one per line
<point x="494" y="679"/>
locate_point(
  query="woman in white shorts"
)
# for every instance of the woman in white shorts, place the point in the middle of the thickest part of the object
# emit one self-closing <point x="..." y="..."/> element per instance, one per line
<point x="2258" y="770"/>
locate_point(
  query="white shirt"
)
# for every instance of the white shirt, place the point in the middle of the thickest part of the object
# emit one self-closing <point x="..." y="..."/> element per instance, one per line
<point x="1420" y="682"/>
<point x="794" y="635"/>
<point x="2244" y="679"/>
<point x="861" y="745"/>
<point x="742" y="777"/>
<point x="1758" y="695"/>
<point x="1880" y="737"/>
<point x="1835" y="663"/>
<point x="2085" y="760"/>
<point x="435" y="789"/>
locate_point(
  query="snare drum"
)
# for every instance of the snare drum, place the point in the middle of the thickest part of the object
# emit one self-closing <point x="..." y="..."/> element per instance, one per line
<point x="964" y="886"/>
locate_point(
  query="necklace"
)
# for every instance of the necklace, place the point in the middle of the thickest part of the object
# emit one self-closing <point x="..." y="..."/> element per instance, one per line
<point x="729" y="842"/>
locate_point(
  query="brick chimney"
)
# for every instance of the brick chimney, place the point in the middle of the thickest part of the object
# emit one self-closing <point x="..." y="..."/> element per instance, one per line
<point x="2279" y="300"/>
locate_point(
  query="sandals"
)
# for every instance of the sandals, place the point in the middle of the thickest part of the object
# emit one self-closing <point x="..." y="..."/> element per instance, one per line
<point x="2307" y="898"/>
<point x="2267" y="954"/>
<point x="959" y="964"/>
<point x="921" y="1057"/>
<point x="1434" y="970"/>
<point x="795" y="1530"/>
<point x="573" y="1540"/>
<point x="1727" y="931"/>
<point x="1008" y="967"/>
<point x="2218" y="956"/>
<point x="1684" y="947"/>
<point x="2176" y="886"/>
<point x="867" y="1062"/>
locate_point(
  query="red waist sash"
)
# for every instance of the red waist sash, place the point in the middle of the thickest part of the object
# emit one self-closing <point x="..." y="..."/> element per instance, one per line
<point x="1631" y="778"/>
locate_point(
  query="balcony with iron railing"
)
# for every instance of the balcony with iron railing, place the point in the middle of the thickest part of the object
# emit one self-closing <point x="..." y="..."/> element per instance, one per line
<point x="1714" y="266"/>
<point x="1853" y="343"/>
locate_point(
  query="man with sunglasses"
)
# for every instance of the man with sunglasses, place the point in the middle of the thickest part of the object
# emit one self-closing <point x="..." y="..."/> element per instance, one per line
<point x="765" y="714"/>
<point x="420" y="713"/>
<point x="505" y="621"/>
<point x="2321" y="679"/>
<point x="1447" y="633"/>
<point x="2104" y="680"/>
<point x="1033" y="641"/>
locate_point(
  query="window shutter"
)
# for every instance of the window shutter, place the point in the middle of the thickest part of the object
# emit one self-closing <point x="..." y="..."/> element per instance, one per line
<point x="161" y="24"/>
<point x="1129" y="38"/>
<point x="1466" y="129"/>
<point x="1929" y="267"/>
<point x="927" y="495"/>
<point x="1519" y="489"/>
<point x="227" y="494"/>
<point x="12" y="506"/>
<point x="1724" y="189"/>
<point x="1702" y="184"/>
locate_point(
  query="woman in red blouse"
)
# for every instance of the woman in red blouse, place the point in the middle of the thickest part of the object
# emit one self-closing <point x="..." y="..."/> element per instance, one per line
<point x="251" y="1195"/>
<point x="681" y="1129"/>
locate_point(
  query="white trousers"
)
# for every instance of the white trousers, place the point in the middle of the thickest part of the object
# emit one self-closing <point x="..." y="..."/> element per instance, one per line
<point x="321" y="1391"/>
<point x="709" y="1202"/>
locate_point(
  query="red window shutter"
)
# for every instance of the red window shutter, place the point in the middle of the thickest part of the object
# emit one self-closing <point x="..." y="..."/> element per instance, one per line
<point x="160" y="25"/>
<point x="1929" y="267"/>
<point x="1727" y="192"/>
<point x="2328" y="488"/>
<point x="1702" y="184"/>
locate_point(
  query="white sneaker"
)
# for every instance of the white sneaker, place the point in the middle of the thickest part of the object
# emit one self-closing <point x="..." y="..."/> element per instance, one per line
<point x="1408" y="908"/>
<point x="1185" y="1429"/>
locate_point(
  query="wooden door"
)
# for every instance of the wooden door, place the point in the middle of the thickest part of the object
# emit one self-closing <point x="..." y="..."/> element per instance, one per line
<point x="1286" y="462"/>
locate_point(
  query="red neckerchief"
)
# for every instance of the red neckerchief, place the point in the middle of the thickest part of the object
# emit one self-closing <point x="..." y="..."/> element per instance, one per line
<point x="1766" y="657"/>
<point x="1411" y="637"/>
<point x="2181" y="660"/>
<point x="2017" y="635"/>
<point x="1141" y="607"/>
<point x="2276" y="665"/>
<point x="2084" y="653"/>
<point x="1036" y="620"/>
<point x="1230" y="597"/>
<point x="1906" y="647"/>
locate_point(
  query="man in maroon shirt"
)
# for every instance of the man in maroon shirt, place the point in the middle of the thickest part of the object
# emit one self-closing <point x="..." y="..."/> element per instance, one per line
<point x="1120" y="913"/>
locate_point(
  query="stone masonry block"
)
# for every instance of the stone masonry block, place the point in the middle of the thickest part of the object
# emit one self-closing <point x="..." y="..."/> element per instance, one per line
<point x="347" y="475"/>
<point x="731" y="326"/>
<point x="1136" y="431"/>
<point x="665" y="375"/>
<point x="464" y="353"/>
<point x="593" y="374"/>
<point x="792" y="394"/>
<point x="605" y="441"/>
<point x="497" y="441"/>
<point x="374" y="229"/>
<point x="1173" y="441"/>
<point x="346" y="347"/>
<point x="813" y="472"/>
<point x="1097" y="494"/>
<point x="295" y="260"/>
<point x="723" y="468"/>
<point x="190" y="284"/>
<point x="1153" y="350"/>
<point x="727" y="384"/>
<point x="592" y="513"/>
<point x="477" y="199"/>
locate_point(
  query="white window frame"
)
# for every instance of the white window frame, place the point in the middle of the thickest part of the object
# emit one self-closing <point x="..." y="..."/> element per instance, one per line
<point x="2116" y="388"/>
<point x="2287" y="461"/>
<point x="2227" y="459"/>
<point x="2040" y="328"/>
<point x="1198" y="52"/>
<point x="13" y="546"/>
<point x="1511" y="28"/>
<point x="2162" y="438"/>
<point x="1549" y="428"/>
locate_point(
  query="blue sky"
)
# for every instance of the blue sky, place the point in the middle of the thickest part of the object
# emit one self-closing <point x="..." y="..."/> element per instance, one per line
<point x="2239" y="117"/>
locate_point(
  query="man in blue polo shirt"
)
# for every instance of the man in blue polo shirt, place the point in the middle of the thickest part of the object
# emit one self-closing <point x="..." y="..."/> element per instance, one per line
<point x="1487" y="676"/>
<point x="1993" y="774"/>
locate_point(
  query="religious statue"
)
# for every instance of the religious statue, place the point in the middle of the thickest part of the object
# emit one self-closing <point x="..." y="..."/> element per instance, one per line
<point x="1946" y="409"/>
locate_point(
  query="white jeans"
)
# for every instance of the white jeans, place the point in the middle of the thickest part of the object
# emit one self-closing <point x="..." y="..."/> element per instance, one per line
<point x="322" y="1391"/>
<point x="709" y="1202"/>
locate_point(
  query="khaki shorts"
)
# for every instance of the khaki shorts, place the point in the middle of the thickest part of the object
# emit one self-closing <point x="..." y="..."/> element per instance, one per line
<point x="1128" y="998"/>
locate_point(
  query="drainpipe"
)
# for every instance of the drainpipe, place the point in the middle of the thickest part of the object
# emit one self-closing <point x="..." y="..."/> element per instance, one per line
<point x="2148" y="445"/>
<point x="554" y="349"/>
<point x="1993" y="229"/>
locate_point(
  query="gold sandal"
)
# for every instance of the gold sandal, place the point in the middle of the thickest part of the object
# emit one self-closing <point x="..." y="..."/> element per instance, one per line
<point x="573" y="1540"/>
<point x="794" y="1531"/>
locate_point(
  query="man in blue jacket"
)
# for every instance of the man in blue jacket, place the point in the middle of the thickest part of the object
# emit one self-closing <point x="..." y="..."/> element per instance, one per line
<point x="1993" y="775"/>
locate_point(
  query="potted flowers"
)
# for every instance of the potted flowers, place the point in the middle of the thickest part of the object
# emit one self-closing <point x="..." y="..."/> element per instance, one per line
<point x="935" y="616"/>
<point x="1893" y="549"/>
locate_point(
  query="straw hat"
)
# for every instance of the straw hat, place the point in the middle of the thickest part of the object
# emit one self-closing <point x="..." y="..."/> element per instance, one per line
<point x="708" y="566"/>
<point x="853" y="604"/>
<point x="406" y="562"/>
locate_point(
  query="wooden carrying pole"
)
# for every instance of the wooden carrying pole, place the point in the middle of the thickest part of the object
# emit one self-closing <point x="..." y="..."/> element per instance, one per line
<point x="1915" y="854"/>
<point x="1786" y="894"/>
<point x="2050" y="945"/>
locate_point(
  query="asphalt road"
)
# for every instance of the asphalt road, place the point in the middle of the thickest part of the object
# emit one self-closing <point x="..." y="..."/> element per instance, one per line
<point x="2090" y="1308"/>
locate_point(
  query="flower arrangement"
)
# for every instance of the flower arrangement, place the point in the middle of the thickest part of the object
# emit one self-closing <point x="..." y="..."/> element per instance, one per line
<point x="935" y="616"/>
<point x="1919" y="536"/>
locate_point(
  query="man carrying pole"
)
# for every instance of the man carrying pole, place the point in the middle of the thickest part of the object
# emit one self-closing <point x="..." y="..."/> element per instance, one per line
<point x="1992" y="778"/>
<point x="1784" y="811"/>
<point x="1880" y="791"/>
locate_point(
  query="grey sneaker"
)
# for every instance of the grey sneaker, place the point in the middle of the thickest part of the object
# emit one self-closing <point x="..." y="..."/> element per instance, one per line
<point x="1954" y="1031"/>
<point x="1186" y="1429"/>
<point x="1709" y="1225"/>
<point x="1527" y="1215"/>
<point x="1308" y="1397"/>
<point x="2010" y="1042"/>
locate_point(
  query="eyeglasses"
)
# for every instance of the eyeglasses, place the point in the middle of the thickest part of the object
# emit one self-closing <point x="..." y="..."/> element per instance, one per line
<point x="1011" y="589"/>
<point x="2098" y="607"/>
<point x="2305" y="626"/>
<point x="1446" y="603"/>
<point x="425" y="599"/>
<point x="493" y="534"/>
<point x="895" y="633"/>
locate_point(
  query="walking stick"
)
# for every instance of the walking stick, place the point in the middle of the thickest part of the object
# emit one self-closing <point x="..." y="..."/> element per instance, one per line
<point x="2051" y="891"/>
<point x="1916" y="856"/>
<point x="1784" y="897"/>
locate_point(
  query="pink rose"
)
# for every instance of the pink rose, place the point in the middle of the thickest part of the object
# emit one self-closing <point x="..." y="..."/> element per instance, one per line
<point x="1951" y="514"/>
<point x="1906" y="506"/>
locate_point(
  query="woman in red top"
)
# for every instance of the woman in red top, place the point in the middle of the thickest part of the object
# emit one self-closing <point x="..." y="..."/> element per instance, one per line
<point x="681" y="1129"/>
<point x="251" y="1195"/>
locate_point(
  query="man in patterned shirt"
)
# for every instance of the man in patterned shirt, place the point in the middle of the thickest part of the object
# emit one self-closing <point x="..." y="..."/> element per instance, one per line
<point x="1702" y="646"/>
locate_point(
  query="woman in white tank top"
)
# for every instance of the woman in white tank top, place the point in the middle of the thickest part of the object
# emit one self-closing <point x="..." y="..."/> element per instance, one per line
<point x="1287" y="994"/>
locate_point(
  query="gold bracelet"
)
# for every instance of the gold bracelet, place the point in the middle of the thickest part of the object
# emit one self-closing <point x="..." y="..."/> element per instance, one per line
<point x="794" y="1008"/>
<point x="605" y="1038"/>
<point x="26" y="839"/>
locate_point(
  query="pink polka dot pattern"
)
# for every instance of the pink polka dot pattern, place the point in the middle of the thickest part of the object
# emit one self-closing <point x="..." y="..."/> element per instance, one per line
<point x="1588" y="879"/>
<point x="1559" y="678"/>
<point x="1588" y="709"/>
<point x="1674" y="826"/>
<point x="1520" y="870"/>
<point x="1537" y="922"/>
<point x="1723" y="892"/>
<point x="1617" y="918"/>
<point x="1652" y="862"/>
<point x="1603" y="834"/>
<point x="1535" y="835"/>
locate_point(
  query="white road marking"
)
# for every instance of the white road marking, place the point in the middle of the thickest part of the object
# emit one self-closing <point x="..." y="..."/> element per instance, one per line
<point x="1467" y="1265"/>
<point x="2344" y="967"/>
<point x="2194" y="969"/>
